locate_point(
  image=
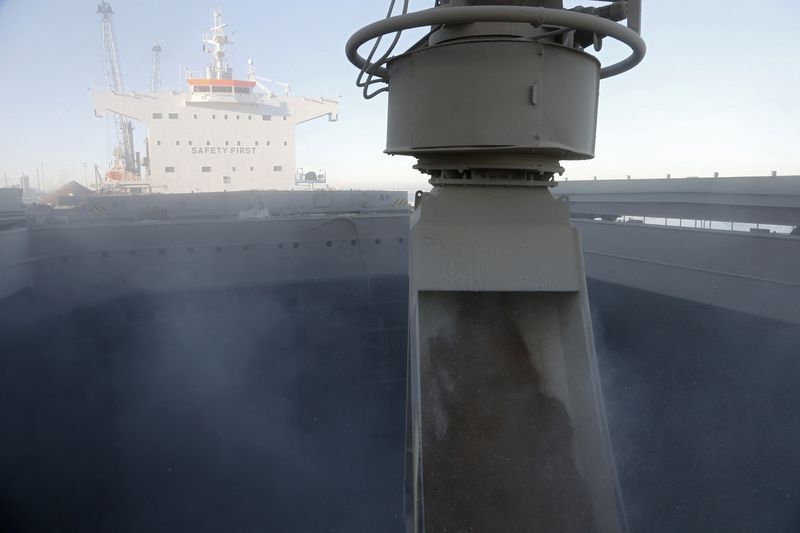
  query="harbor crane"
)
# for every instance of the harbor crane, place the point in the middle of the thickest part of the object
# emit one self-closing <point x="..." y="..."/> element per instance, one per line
<point x="125" y="164"/>
<point x="506" y="428"/>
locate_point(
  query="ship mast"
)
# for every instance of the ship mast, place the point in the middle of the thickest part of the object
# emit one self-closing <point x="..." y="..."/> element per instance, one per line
<point x="123" y="153"/>
<point x="214" y="43"/>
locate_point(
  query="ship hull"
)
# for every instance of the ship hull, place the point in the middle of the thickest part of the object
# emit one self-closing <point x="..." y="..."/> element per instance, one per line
<point x="213" y="376"/>
<point x="704" y="413"/>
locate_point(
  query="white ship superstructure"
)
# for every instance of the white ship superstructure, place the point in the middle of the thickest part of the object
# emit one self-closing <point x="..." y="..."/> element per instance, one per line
<point x="223" y="134"/>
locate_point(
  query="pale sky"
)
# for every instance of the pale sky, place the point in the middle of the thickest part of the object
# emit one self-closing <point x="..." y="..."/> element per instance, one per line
<point x="718" y="91"/>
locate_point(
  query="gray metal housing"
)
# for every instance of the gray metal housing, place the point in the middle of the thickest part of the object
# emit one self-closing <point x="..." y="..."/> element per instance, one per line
<point x="500" y="96"/>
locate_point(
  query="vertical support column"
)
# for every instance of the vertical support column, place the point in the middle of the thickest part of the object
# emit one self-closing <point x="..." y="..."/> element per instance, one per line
<point x="506" y="416"/>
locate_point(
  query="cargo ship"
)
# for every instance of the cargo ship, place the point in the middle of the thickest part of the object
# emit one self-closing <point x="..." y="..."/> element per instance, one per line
<point x="222" y="134"/>
<point x="207" y="355"/>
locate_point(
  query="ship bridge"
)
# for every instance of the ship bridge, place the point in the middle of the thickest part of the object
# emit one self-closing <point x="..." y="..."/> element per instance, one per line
<point x="221" y="90"/>
<point x="223" y="134"/>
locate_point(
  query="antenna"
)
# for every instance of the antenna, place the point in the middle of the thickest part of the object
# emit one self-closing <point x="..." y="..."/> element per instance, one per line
<point x="287" y="88"/>
<point x="251" y="70"/>
<point x="155" y="76"/>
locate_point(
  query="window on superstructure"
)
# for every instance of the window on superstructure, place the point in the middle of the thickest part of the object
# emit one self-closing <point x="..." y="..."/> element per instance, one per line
<point x="249" y="117"/>
<point x="225" y="117"/>
<point x="242" y="90"/>
<point x="266" y="117"/>
<point x="237" y="117"/>
<point x="158" y="115"/>
<point x="195" y="115"/>
<point x="158" y="143"/>
<point x="169" y="169"/>
<point x="226" y="180"/>
<point x="284" y="117"/>
<point x="226" y="143"/>
<point x="177" y="143"/>
<point x="286" y="143"/>
<point x="238" y="143"/>
<point x="221" y="89"/>
<point x="267" y="143"/>
<point x="277" y="168"/>
<point x="233" y="169"/>
<point x="256" y="143"/>
<point x="213" y="116"/>
<point x="251" y="169"/>
<point x="173" y="116"/>
<point x="205" y="169"/>
<point x="208" y="143"/>
<point x="201" y="89"/>
<point x="190" y="143"/>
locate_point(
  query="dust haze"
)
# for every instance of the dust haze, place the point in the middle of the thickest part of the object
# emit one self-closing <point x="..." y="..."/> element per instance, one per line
<point x="237" y="410"/>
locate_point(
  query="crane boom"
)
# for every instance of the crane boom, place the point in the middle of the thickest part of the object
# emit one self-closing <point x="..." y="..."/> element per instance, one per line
<point x="124" y="154"/>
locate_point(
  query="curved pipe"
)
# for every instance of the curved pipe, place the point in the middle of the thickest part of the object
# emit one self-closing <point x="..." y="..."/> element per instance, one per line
<point x="468" y="14"/>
